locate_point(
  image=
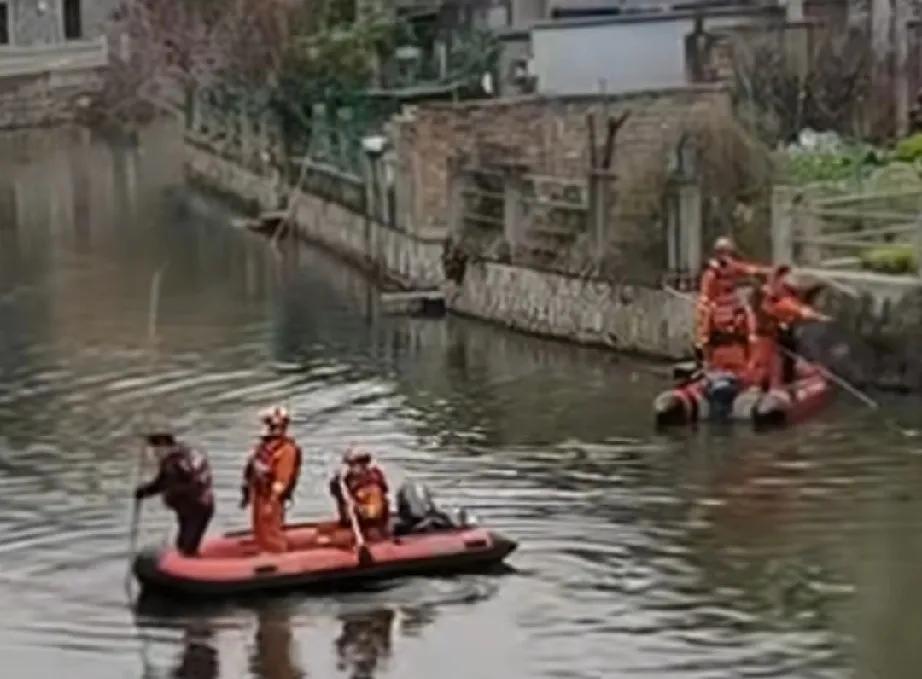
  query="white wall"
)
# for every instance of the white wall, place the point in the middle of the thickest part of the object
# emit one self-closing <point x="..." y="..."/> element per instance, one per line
<point x="628" y="55"/>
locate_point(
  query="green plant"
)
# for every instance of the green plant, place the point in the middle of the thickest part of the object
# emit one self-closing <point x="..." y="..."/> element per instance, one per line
<point x="891" y="259"/>
<point x="910" y="148"/>
<point x="804" y="167"/>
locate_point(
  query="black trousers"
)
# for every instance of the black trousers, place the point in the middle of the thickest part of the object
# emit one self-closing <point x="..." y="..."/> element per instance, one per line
<point x="787" y="341"/>
<point x="193" y="522"/>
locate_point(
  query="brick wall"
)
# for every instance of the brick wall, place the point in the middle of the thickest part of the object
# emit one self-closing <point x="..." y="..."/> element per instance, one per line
<point x="550" y="136"/>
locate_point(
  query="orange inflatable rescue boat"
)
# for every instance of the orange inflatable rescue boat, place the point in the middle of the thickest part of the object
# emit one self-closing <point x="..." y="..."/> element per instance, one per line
<point x="323" y="554"/>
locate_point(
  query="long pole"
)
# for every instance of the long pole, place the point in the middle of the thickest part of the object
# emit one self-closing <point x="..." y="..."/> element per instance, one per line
<point x="361" y="547"/>
<point x="153" y="306"/>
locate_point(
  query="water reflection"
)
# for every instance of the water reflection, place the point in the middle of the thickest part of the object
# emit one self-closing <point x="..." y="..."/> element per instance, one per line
<point x="284" y="641"/>
<point x="198" y="659"/>
<point x="274" y="649"/>
<point x="366" y="638"/>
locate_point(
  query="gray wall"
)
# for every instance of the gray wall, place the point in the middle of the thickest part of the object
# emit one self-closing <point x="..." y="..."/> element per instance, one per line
<point x="30" y="26"/>
<point x="630" y="55"/>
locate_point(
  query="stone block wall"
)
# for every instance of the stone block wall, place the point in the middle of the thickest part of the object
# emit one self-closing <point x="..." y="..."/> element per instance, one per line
<point x="46" y="99"/>
<point x="413" y="262"/>
<point x="549" y="135"/>
<point x="622" y="317"/>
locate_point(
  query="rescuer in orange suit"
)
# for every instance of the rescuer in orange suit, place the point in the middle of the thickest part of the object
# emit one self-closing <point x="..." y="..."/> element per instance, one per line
<point x="723" y="323"/>
<point x="777" y="308"/>
<point x="269" y="480"/>
<point x="367" y="488"/>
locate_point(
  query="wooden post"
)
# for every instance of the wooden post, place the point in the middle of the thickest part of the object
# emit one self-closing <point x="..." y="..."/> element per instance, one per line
<point x="812" y="227"/>
<point x="782" y="225"/>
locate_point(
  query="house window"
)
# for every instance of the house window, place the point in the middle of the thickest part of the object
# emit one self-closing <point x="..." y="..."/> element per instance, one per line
<point x="4" y="24"/>
<point x="73" y="29"/>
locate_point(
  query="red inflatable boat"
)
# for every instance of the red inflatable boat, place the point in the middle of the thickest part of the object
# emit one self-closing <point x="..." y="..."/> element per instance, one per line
<point x="721" y="397"/>
<point x="321" y="554"/>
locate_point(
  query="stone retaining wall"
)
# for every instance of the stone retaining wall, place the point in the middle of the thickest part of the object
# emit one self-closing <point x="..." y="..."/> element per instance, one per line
<point x="623" y="317"/>
<point x="413" y="262"/>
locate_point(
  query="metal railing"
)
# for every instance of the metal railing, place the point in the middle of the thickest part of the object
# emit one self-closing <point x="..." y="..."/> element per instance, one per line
<point x="68" y="56"/>
<point x="843" y="231"/>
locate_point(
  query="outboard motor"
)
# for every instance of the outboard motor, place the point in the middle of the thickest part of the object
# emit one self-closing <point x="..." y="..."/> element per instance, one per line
<point x="721" y="391"/>
<point x="414" y="502"/>
<point x="418" y="513"/>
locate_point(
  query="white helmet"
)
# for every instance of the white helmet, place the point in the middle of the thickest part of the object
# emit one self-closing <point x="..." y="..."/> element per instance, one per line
<point x="275" y="417"/>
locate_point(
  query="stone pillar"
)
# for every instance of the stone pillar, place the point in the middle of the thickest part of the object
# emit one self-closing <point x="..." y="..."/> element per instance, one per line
<point x="513" y="224"/>
<point x="690" y="227"/>
<point x="797" y="38"/>
<point x="246" y="136"/>
<point x="918" y="246"/>
<point x="599" y="190"/>
<point x="901" y="14"/>
<point x="783" y="225"/>
<point x="811" y="226"/>
<point x="456" y="182"/>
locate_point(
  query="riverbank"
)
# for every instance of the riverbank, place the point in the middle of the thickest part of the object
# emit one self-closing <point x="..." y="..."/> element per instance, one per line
<point x="586" y="311"/>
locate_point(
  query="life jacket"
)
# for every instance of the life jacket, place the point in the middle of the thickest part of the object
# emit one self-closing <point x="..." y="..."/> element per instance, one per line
<point x="259" y="470"/>
<point x="368" y="489"/>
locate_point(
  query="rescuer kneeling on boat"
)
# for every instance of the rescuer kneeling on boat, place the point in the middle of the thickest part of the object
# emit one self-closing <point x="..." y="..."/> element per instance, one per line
<point x="777" y="308"/>
<point x="722" y="322"/>
<point x="184" y="479"/>
<point x="368" y="489"/>
<point x="269" y="480"/>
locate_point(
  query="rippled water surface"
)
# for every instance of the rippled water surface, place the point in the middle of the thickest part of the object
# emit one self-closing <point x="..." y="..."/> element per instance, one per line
<point x="720" y="554"/>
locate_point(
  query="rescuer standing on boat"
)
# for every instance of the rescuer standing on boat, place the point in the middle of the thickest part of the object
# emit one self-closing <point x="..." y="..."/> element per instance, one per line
<point x="723" y="322"/>
<point x="269" y="480"/>
<point x="777" y="309"/>
<point x="184" y="479"/>
<point x="367" y="488"/>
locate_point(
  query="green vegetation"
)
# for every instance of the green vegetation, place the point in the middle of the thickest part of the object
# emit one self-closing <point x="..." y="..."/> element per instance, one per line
<point x="909" y="150"/>
<point x="890" y="259"/>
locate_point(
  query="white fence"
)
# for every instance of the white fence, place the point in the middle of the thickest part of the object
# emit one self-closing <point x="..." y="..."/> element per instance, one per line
<point x="38" y="59"/>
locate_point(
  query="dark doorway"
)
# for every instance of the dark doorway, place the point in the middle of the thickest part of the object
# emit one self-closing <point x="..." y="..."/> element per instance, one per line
<point x="73" y="29"/>
<point x="4" y="24"/>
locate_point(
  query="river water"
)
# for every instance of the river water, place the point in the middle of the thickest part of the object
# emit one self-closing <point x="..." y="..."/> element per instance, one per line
<point x="716" y="554"/>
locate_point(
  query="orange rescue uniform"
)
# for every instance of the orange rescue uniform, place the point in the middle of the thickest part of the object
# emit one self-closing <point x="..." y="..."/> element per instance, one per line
<point x="723" y="323"/>
<point x="779" y="309"/>
<point x="270" y="476"/>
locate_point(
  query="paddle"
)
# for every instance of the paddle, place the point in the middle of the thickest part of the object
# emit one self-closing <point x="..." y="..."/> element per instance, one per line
<point x="362" y="550"/>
